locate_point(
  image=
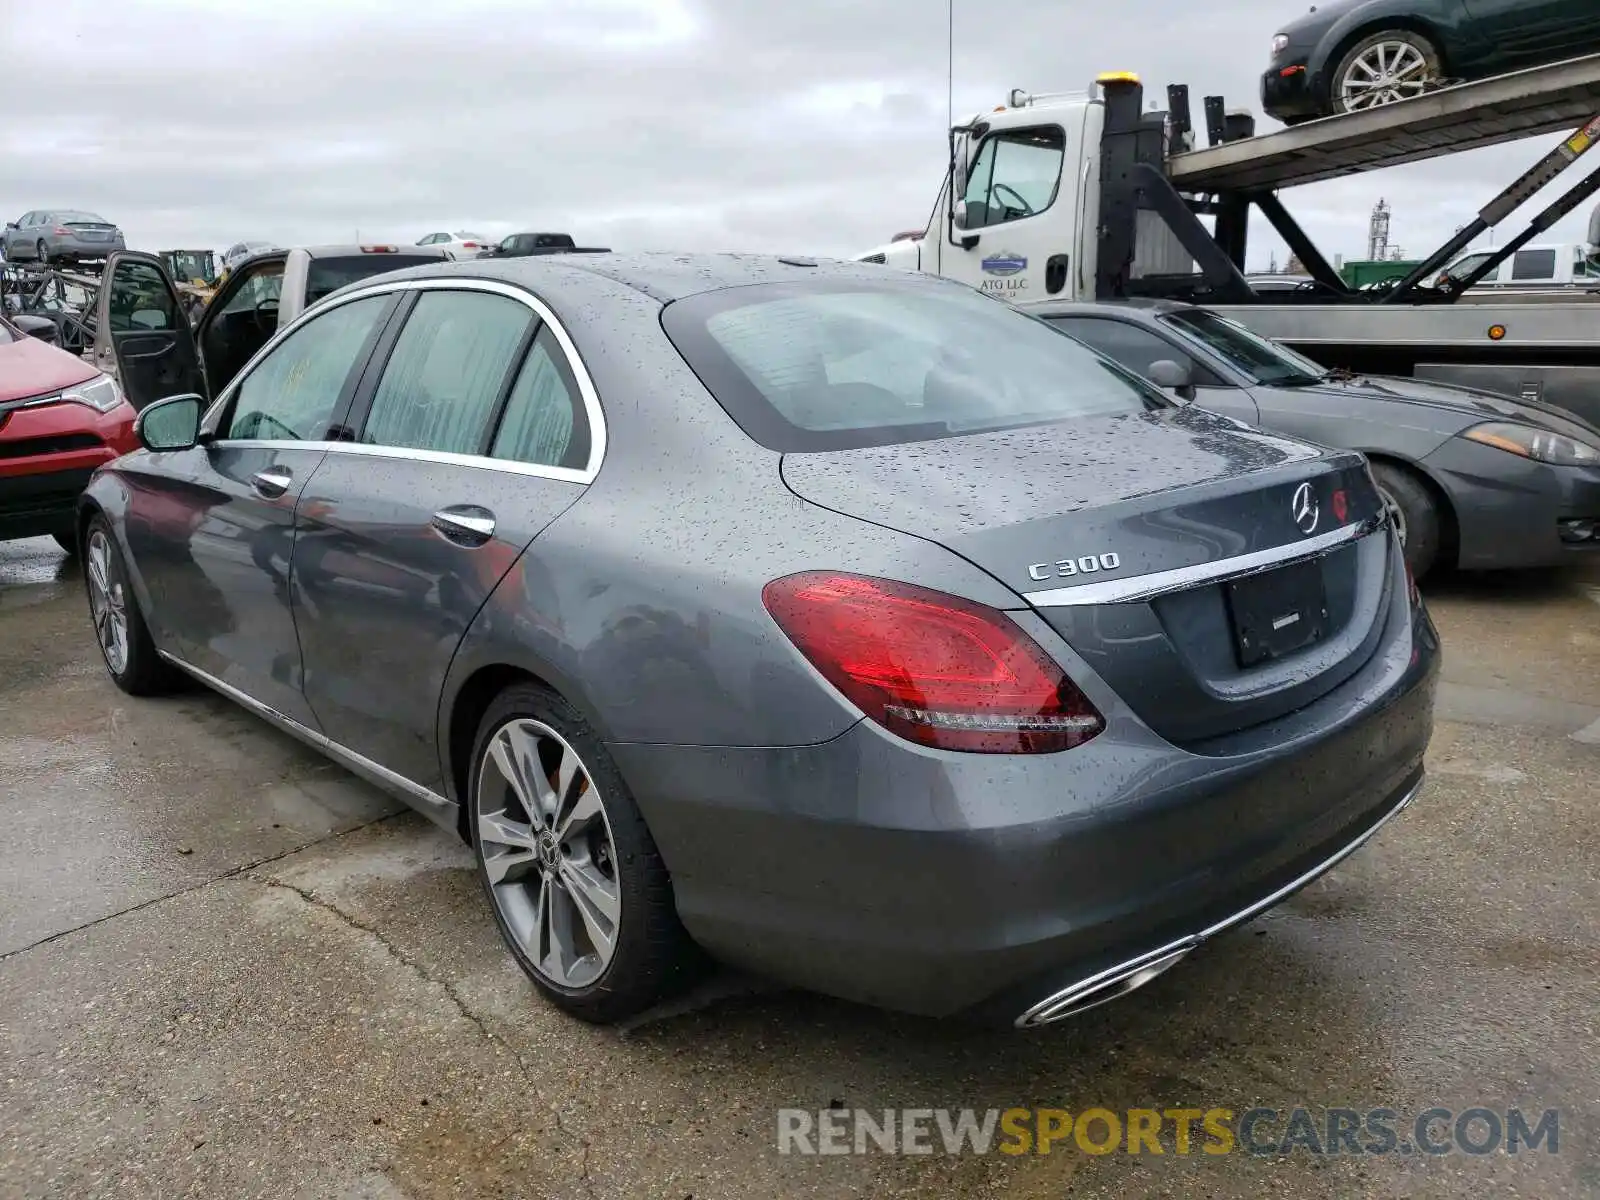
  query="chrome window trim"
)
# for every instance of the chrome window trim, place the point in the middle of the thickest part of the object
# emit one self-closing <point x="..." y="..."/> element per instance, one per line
<point x="432" y="805"/>
<point x="1157" y="583"/>
<point x="482" y="462"/>
<point x="580" y="373"/>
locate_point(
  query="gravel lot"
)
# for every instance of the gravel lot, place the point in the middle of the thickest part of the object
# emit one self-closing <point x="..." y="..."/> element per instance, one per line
<point x="227" y="968"/>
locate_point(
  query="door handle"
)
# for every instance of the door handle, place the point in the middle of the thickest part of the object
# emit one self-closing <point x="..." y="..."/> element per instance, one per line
<point x="467" y="524"/>
<point x="273" y="482"/>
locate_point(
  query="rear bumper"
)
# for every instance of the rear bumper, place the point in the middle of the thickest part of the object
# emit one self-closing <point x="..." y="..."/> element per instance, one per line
<point x="43" y="503"/>
<point x="950" y="884"/>
<point x="1510" y="511"/>
<point x="74" y="247"/>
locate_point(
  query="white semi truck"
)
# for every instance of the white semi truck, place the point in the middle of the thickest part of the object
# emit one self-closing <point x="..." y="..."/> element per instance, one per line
<point x="1087" y="196"/>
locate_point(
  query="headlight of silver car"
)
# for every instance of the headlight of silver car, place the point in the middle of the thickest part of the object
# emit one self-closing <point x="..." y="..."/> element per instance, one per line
<point x="101" y="393"/>
<point x="1538" y="444"/>
<point x="1279" y="44"/>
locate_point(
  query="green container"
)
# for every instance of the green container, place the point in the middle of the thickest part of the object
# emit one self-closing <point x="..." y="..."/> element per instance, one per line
<point x="1361" y="273"/>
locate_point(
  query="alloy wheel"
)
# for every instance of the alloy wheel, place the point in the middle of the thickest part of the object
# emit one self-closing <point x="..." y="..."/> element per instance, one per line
<point x="1383" y="74"/>
<point x="548" y="853"/>
<point x="107" y="603"/>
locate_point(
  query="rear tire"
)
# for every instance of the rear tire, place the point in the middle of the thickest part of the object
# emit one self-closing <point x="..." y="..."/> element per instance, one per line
<point x="1389" y="66"/>
<point x="42" y="252"/>
<point x="1415" y="513"/>
<point x="584" y="904"/>
<point x="120" y="629"/>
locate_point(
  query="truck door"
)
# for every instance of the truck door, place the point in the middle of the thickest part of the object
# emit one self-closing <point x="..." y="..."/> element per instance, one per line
<point x="1015" y="220"/>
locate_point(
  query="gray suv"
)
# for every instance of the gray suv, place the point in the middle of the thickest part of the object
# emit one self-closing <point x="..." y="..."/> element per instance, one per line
<point x="61" y="235"/>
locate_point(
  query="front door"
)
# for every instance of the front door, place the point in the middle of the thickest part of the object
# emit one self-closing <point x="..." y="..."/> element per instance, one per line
<point x="219" y="534"/>
<point x="142" y="336"/>
<point x="473" y="440"/>
<point x="1521" y="33"/>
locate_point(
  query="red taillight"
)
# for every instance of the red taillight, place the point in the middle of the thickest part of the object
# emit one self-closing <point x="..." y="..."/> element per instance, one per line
<point x="380" y="249"/>
<point x="62" y="231"/>
<point x="934" y="669"/>
<point x="471" y="245"/>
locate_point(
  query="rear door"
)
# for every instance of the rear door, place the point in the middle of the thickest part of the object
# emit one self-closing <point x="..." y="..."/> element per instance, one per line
<point x="473" y="436"/>
<point x="142" y="336"/>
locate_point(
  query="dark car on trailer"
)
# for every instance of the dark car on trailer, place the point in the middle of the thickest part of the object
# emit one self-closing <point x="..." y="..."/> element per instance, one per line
<point x="840" y="623"/>
<point x="1472" y="479"/>
<point x="1352" y="55"/>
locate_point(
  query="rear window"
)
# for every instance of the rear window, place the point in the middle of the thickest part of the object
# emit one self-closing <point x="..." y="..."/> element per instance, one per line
<point x="328" y="275"/>
<point x="825" y="366"/>
<point x="80" y="218"/>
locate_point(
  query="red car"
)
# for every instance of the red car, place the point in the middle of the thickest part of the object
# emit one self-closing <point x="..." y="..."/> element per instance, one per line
<point x="59" y="420"/>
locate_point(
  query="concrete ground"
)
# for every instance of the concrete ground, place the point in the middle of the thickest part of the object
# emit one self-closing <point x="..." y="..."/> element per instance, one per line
<point x="227" y="968"/>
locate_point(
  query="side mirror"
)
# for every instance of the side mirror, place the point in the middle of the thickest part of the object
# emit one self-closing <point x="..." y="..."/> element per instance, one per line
<point x="170" y="424"/>
<point x="11" y="224"/>
<point x="42" y="328"/>
<point x="1165" y="373"/>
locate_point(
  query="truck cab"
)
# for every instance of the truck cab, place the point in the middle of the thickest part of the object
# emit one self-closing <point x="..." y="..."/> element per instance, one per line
<point x="1533" y="267"/>
<point x="1018" y="214"/>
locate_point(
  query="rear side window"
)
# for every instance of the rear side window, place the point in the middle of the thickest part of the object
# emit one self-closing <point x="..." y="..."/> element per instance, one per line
<point x="829" y="365"/>
<point x="544" y="422"/>
<point x="447" y="371"/>
<point x="1534" y="264"/>
<point x="326" y="276"/>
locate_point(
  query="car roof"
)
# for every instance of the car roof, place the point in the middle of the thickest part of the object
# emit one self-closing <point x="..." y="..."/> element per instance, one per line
<point x="663" y="276"/>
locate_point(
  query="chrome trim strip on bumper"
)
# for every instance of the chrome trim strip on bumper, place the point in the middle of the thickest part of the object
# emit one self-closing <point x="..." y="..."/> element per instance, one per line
<point x="1044" y="1012"/>
<point x="1145" y="587"/>
<point x="432" y="805"/>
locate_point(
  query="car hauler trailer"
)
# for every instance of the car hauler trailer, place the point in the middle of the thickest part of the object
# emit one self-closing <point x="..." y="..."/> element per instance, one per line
<point x="1086" y="195"/>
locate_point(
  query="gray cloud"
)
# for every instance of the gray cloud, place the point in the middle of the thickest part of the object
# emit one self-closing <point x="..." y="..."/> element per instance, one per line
<point x="674" y="123"/>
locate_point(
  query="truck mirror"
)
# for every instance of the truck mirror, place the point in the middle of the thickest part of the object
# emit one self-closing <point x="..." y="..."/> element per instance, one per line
<point x="960" y="211"/>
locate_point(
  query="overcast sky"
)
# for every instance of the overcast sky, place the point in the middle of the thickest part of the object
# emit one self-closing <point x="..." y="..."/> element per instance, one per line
<point x="814" y="126"/>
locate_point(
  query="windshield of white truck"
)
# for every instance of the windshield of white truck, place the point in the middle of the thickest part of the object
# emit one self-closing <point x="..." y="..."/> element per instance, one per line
<point x="1264" y="362"/>
<point x="836" y="365"/>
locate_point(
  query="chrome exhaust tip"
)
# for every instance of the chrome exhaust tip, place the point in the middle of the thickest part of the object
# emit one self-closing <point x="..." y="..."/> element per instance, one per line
<point x="1103" y="988"/>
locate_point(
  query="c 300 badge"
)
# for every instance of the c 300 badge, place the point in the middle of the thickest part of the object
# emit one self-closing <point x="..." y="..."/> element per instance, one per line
<point x="1068" y="568"/>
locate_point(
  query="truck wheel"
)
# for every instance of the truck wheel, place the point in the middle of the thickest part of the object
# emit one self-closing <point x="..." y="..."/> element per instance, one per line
<point x="576" y="883"/>
<point x="1392" y="65"/>
<point x="43" y="253"/>
<point x="1415" y="514"/>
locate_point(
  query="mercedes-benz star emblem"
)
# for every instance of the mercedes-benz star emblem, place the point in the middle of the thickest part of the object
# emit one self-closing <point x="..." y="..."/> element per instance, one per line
<point x="1304" y="507"/>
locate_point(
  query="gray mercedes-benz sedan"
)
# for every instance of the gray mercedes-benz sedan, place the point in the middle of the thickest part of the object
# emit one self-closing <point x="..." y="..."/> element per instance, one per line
<point x="843" y="625"/>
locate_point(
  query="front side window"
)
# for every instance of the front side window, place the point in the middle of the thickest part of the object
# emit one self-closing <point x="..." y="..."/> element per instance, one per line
<point x="1133" y="347"/>
<point x="1260" y="360"/>
<point x="446" y="372"/>
<point x="544" y="422"/>
<point x="294" y="392"/>
<point x="824" y="366"/>
<point x="1015" y="174"/>
<point x="140" y="300"/>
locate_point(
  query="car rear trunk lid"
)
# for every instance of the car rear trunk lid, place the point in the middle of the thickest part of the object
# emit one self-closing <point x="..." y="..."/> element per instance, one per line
<point x="1163" y="547"/>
